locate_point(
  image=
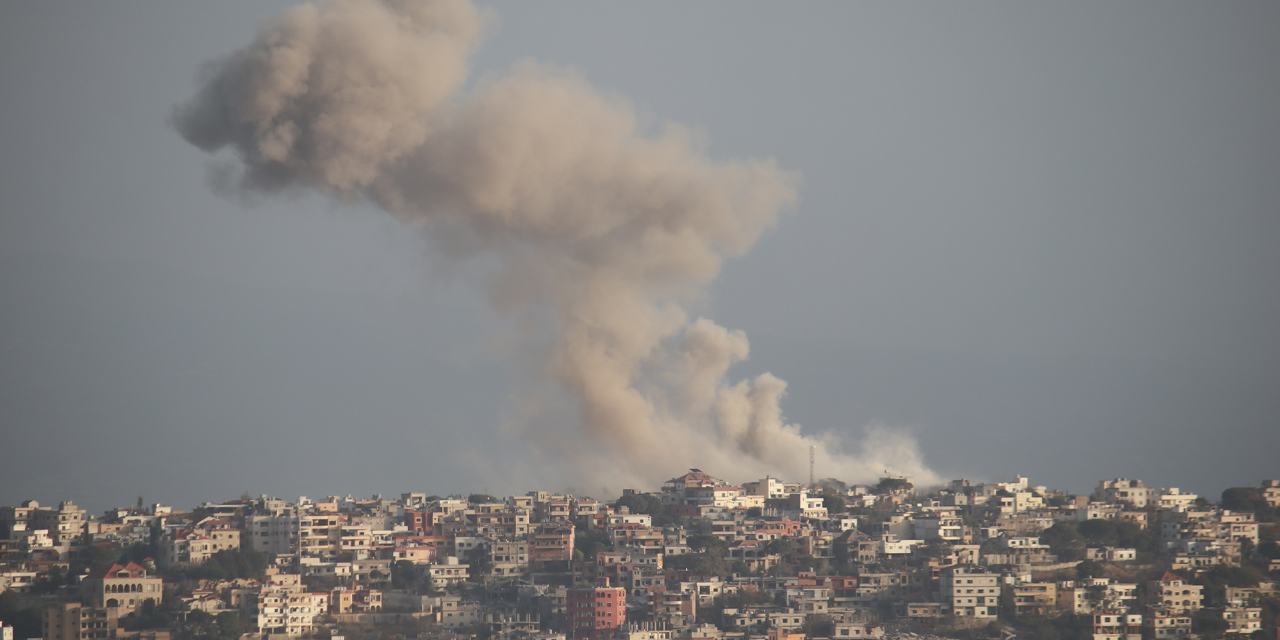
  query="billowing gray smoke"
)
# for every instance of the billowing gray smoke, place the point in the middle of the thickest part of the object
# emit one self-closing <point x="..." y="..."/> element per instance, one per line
<point x="598" y="234"/>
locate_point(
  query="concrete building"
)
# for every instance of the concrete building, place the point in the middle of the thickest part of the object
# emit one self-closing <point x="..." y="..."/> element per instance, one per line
<point x="1174" y="593"/>
<point x="123" y="587"/>
<point x="275" y="534"/>
<point x="73" y="621"/>
<point x="969" y="591"/>
<point x="1133" y="492"/>
<point x="596" y="612"/>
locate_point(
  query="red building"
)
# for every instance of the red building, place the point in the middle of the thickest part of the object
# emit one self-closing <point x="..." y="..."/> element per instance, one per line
<point x="551" y="542"/>
<point x="419" y="521"/>
<point x="596" y="612"/>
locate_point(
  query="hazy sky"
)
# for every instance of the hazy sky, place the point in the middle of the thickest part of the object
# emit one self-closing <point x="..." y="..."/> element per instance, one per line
<point x="1042" y="239"/>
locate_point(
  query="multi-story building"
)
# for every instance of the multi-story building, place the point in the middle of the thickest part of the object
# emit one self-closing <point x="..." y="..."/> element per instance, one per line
<point x="356" y="539"/>
<point x="502" y="523"/>
<point x="1117" y="625"/>
<point x="1163" y="623"/>
<point x="551" y="542"/>
<point x="74" y="621"/>
<point x="123" y="587"/>
<point x="195" y="546"/>
<point x="509" y="557"/>
<point x="596" y="612"/>
<point x="1175" y="499"/>
<point x="320" y="534"/>
<point x="1244" y="620"/>
<point x="449" y="572"/>
<point x="1176" y="594"/>
<point x="970" y="591"/>
<point x="1032" y="598"/>
<point x="947" y="527"/>
<point x="1133" y="492"/>
<point x="274" y="534"/>
<point x="1271" y="492"/>
<point x="63" y="524"/>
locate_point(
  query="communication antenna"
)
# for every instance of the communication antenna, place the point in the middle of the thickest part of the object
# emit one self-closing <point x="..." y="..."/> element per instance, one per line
<point x="811" y="482"/>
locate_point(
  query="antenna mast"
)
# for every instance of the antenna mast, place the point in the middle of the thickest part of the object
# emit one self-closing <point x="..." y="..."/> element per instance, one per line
<point x="811" y="481"/>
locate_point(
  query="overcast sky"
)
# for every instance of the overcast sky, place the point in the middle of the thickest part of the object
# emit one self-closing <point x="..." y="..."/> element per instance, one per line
<point x="1043" y="239"/>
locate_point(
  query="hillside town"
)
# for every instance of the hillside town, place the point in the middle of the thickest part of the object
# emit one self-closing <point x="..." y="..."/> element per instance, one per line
<point x="697" y="558"/>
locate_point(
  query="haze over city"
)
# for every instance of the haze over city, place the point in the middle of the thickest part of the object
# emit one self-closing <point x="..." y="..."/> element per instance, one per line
<point x="974" y="241"/>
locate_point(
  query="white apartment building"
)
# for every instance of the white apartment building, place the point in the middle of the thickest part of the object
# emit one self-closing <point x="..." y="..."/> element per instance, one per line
<point x="271" y="534"/>
<point x="1133" y="492"/>
<point x="1173" y="498"/>
<point x="970" y="591"/>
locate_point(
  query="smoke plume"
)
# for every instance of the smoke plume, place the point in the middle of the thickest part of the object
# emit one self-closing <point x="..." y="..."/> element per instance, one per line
<point x="597" y="233"/>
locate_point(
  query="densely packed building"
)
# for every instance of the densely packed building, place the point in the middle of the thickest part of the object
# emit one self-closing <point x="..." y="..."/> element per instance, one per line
<point x="697" y="558"/>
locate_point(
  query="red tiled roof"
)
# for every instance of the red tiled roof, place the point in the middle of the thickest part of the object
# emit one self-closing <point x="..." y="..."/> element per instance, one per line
<point x="114" y="568"/>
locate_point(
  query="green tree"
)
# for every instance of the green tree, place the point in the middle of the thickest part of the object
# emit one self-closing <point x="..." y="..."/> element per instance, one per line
<point x="1208" y="623"/>
<point x="704" y="541"/>
<point x="644" y="503"/>
<point x="936" y="548"/>
<point x="1220" y="576"/>
<point x="404" y="576"/>
<point x="888" y="485"/>
<point x="1090" y="569"/>
<point x="780" y="546"/>
<point x="818" y="625"/>
<point x="147" y="616"/>
<point x="481" y="563"/>
<point x="97" y="556"/>
<point x="591" y="542"/>
<point x="481" y="498"/>
<point x="26" y="622"/>
<point x="834" y="504"/>
<point x="1062" y="539"/>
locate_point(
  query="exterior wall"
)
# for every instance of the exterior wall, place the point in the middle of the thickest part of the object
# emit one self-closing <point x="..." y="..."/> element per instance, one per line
<point x="594" y="613"/>
<point x="551" y="543"/>
<point x="124" y="588"/>
<point x="64" y="523"/>
<point x="271" y="534"/>
<point x="970" y="591"/>
<point x="72" y="621"/>
<point x="1175" y="594"/>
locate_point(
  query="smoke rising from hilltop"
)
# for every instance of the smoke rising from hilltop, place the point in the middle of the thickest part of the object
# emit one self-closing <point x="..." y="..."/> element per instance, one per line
<point x="596" y="232"/>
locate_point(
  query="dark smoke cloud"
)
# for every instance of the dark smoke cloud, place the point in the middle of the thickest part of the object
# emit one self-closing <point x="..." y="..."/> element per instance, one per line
<point x="599" y="233"/>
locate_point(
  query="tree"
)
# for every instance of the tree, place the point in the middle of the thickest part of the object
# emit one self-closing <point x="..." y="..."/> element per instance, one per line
<point x="644" y="503"/>
<point x="834" y="504"/>
<point x="936" y="548"/>
<point x="1089" y="569"/>
<point x="481" y="562"/>
<point x="704" y="541"/>
<point x="818" y="625"/>
<point x="404" y="576"/>
<point x="591" y="542"/>
<point x="1240" y="498"/>
<point x="1222" y="575"/>
<point x="26" y="622"/>
<point x="889" y="485"/>
<point x="1061" y="538"/>
<point x="780" y="546"/>
<point x="481" y="498"/>
<point x="1206" y="622"/>
<point x="97" y="556"/>
<point x="224" y="565"/>
<point x="147" y="616"/>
